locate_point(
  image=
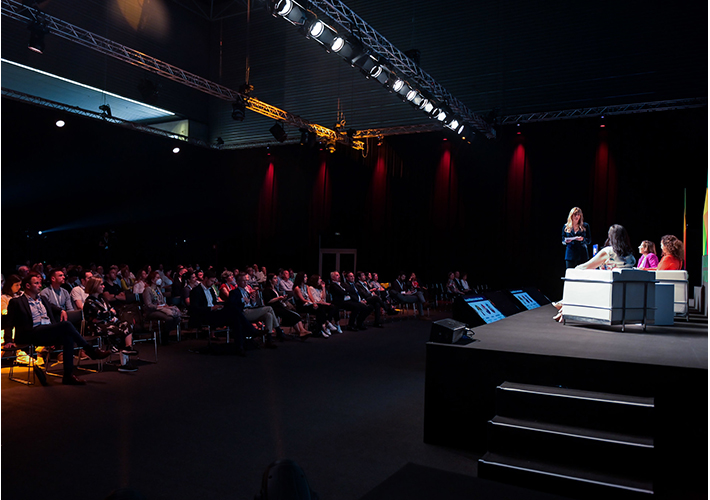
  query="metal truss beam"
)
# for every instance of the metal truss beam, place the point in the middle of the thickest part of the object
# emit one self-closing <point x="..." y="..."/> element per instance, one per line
<point x="357" y="27"/>
<point x="619" y="109"/>
<point x="17" y="11"/>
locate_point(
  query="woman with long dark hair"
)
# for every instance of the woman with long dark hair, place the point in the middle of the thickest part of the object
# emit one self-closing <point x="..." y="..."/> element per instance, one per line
<point x="617" y="251"/>
<point x="101" y="321"/>
<point x="280" y="304"/>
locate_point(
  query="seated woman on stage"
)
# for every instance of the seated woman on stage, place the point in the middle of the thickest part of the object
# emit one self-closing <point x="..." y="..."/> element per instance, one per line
<point x="101" y="320"/>
<point x="616" y="254"/>
<point x="284" y="309"/>
<point x="157" y="308"/>
<point x="648" y="259"/>
<point x="325" y="311"/>
<point x="672" y="257"/>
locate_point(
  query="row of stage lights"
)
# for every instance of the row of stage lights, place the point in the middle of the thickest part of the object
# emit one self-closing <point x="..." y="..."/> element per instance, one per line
<point x="371" y="64"/>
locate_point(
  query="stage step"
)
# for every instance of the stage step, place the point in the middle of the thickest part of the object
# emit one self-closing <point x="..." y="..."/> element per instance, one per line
<point x="564" y="440"/>
<point x="583" y="448"/>
<point x="593" y="410"/>
<point x="561" y="479"/>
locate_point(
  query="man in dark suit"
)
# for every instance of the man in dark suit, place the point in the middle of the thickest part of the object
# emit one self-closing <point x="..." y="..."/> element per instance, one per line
<point x="345" y="296"/>
<point x="401" y="291"/>
<point x="372" y="299"/>
<point x="35" y="322"/>
<point x="206" y="310"/>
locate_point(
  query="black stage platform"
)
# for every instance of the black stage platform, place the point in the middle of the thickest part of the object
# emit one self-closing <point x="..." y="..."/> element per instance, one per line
<point x="668" y="364"/>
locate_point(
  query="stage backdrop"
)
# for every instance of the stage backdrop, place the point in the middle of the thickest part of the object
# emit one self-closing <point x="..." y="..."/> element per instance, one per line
<point x="426" y="203"/>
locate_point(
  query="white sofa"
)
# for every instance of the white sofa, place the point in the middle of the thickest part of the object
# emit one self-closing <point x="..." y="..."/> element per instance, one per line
<point x="609" y="297"/>
<point x="679" y="280"/>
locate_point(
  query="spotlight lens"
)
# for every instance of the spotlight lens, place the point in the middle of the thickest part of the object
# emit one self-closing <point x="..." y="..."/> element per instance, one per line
<point x="376" y="71"/>
<point x="317" y="29"/>
<point x="423" y="105"/>
<point x="428" y="107"/>
<point x="460" y="130"/>
<point x="285" y="7"/>
<point x="176" y="150"/>
<point x="441" y="116"/>
<point x="411" y="95"/>
<point x="338" y="44"/>
<point x="398" y="85"/>
<point x="60" y="123"/>
<point x="454" y="124"/>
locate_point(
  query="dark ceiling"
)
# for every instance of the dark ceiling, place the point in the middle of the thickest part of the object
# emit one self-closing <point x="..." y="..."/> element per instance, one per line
<point x="498" y="58"/>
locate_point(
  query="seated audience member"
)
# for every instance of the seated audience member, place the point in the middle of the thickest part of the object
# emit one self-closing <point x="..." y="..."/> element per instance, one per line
<point x="38" y="322"/>
<point x="381" y="291"/>
<point x="251" y="279"/>
<point x="672" y="256"/>
<point x="39" y="269"/>
<point x="617" y="253"/>
<point x="23" y="271"/>
<point x="156" y="307"/>
<point x="260" y="274"/>
<point x="101" y="321"/>
<point x="127" y="279"/>
<point x="189" y="282"/>
<point x="326" y="313"/>
<point x="346" y="297"/>
<point x="78" y="293"/>
<point x="452" y="286"/>
<point x="139" y="285"/>
<point x="253" y="312"/>
<point x="372" y="299"/>
<point x="177" y="292"/>
<point x="461" y="281"/>
<point x="229" y="283"/>
<point x="285" y="284"/>
<point x="416" y="286"/>
<point x="205" y="309"/>
<point x="113" y="293"/>
<point x="284" y="309"/>
<point x="58" y="296"/>
<point x="401" y="291"/>
<point x="11" y="289"/>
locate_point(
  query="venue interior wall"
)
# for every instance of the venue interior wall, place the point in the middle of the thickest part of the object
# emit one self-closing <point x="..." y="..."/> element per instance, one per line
<point x="427" y="203"/>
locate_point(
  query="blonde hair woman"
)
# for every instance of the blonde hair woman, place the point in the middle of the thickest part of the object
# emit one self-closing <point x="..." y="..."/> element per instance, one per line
<point x="576" y="237"/>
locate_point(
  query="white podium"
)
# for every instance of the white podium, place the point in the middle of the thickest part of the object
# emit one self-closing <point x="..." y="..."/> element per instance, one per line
<point x="613" y="297"/>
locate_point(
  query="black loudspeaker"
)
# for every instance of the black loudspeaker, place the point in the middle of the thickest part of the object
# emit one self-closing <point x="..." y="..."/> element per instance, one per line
<point x="447" y="331"/>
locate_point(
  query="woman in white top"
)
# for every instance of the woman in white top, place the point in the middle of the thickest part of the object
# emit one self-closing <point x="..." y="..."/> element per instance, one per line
<point x="317" y="296"/>
<point x="617" y="253"/>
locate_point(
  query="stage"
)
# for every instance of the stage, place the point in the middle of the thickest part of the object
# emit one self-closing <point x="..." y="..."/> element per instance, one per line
<point x="664" y="365"/>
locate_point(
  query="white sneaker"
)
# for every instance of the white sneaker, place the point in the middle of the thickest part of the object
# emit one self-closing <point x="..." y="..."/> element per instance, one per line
<point x="338" y="329"/>
<point x="331" y="327"/>
<point x="325" y="333"/>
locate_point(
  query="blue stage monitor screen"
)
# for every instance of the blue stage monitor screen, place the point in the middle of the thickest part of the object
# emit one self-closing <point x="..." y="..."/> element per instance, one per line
<point x="525" y="299"/>
<point x="484" y="308"/>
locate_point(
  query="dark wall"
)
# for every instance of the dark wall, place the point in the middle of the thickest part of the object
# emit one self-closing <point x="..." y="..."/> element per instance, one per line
<point x="494" y="208"/>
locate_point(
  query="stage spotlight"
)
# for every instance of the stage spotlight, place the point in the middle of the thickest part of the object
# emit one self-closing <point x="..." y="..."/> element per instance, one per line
<point x="380" y="73"/>
<point x="365" y="62"/>
<point x="60" y="123"/>
<point x="323" y="34"/>
<point x="37" y="31"/>
<point x="278" y="132"/>
<point x="291" y="11"/>
<point x="176" y="150"/>
<point x="238" y="109"/>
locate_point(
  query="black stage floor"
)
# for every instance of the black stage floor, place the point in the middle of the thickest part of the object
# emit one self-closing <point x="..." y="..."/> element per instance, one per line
<point x="684" y="344"/>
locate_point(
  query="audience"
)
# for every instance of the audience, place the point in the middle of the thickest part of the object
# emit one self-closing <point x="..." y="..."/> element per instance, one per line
<point x="157" y="308"/>
<point x="329" y="313"/>
<point x="254" y="312"/>
<point x="346" y="297"/>
<point x="282" y="306"/>
<point x="404" y="294"/>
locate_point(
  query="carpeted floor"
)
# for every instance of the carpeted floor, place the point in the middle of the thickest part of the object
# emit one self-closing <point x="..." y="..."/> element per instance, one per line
<point x="348" y="410"/>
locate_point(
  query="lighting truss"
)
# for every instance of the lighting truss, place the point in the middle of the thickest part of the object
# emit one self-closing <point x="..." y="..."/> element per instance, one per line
<point x="57" y="27"/>
<point x="620" y="109"/>
<point x="426" y="90"/>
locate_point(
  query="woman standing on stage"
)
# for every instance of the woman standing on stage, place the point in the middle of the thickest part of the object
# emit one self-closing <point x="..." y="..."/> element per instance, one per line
<point x="576" y="237"/>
